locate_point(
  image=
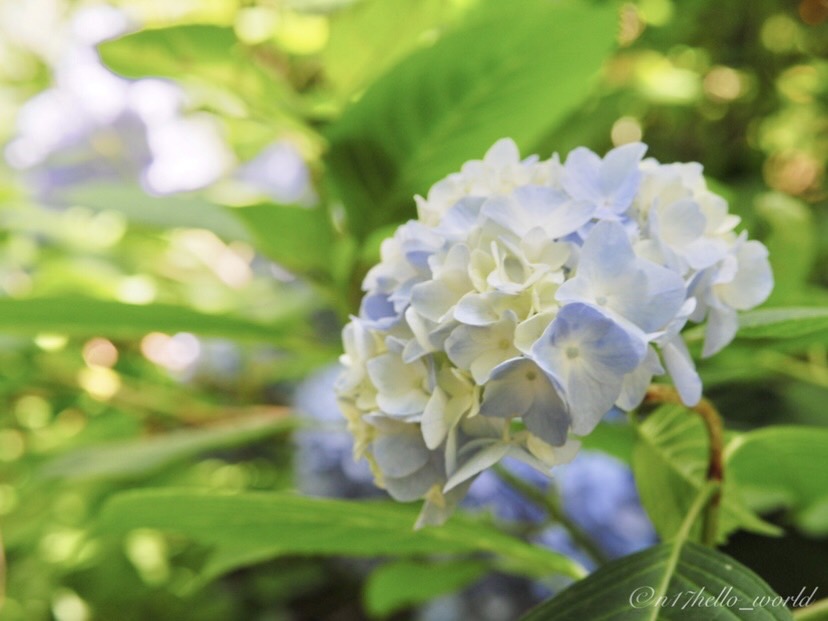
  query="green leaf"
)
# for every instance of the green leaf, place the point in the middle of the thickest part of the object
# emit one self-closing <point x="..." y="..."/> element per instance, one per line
<point x="784" y="467"/>
<point x="401" y="584"/>
<point x="251" y="527"/>
<point x="670" y="463"/>
<point x="666" y="582"/>
<point x="298" y="238"/>
<point x="82" y="316"/>
<point x="678" y="579"/>
<point x="165" y="212"/>
<point x="136" y="458"/>
<point x="207" y="52"/>
<point x="782" y="323"/>
<point x="513" y="75"/>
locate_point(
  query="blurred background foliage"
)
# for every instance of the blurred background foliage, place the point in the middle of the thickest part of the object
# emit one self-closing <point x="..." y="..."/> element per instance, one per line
<point x="186" y="213"/>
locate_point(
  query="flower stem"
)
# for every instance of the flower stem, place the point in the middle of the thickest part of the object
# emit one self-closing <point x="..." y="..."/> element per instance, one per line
<point x="552" y="507"/>
<point x="661" y="393"/>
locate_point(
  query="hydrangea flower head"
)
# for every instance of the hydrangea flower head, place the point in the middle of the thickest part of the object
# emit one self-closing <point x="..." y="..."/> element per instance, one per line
<point x="528" y="300"/>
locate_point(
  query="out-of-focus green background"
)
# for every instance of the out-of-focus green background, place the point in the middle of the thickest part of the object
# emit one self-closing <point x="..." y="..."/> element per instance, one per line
<point x="156" y="316"/>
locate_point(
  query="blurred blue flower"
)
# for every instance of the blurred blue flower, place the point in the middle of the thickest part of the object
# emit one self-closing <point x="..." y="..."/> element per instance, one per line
<point x="93" y="126"/>
<point x="280" y="173"/>
<point x="324" y="462"/>
<point x="490" y="492"/>
<point x="598" y="493"/>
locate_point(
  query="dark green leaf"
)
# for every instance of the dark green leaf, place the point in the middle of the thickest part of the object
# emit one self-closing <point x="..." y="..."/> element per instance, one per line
<point x="401" y="584"/>
<point x="82" y="316"/>
<point x="135" y="458"/>
<point x="507" y="75"/>
<point x="784" y="467"/>
<point x="670" y="462"/>
<point x="251" y="527"/>
<point x="666" y="582"/>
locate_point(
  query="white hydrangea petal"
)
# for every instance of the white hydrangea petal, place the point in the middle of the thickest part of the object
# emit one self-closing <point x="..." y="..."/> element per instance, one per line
<point x="518" y="387"/>
<point x="548" y="417"/>
<point x="681" y="368"/>
<point x="582" y="177"/>
<point x="503" y="398"/>
<point x="400" y="454"/>
<point x="606" y="254"/>
<point x="529" y="331"/>
<point x="434" y="299"/>
<point x="482" y="366"/>
<point x="682" y="222"/>
<point x="722" y="325"/>
<point x="753" y="282"/>
<point x="620" y="164"/>
<point x="481" y="349"/>
<point x="415" y="485"/>
<point x="439" y="507"/>
<point x="461" y="217"/>
<point x="477" y="309"/>
<point x="590" y="398"/>
<point x="400" y="385"/>
<point x="551" y="455"/>
<point x="635" y="384"/>
<point x="477" y="463"/>
<point x="502" y="153"/>
<point x="442" y="414"/>
<point x="664" y="297"/>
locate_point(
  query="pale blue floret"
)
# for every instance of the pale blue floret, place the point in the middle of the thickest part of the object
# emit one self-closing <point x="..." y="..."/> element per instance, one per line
<point x="435" y="299"/>
<point x="480" y="349"/>
<point x="611" y="276"/>
<point x="461" y="218"/>
<point x="530" y="207"/>
<point x="589" y="354"/>
<point x="377" y="311"/>
<point x="518" y="387"/>
<point x="610" y="183"/>
<point x="409" y="468"/>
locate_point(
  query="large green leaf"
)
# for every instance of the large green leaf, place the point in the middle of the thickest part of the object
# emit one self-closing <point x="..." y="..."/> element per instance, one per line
<point x="675" y="580"/>
<point x="784" y="467"/>
<point x="680" y="582"/>
<point x="129" y="459"/>
<point x="514" y="74"/>
<point x="783" y="322"/>
<point x="251" y="527"/>
<point x="82" y="316"/>
<point x="403" y="583"/>
<point x="670" y="463"/>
